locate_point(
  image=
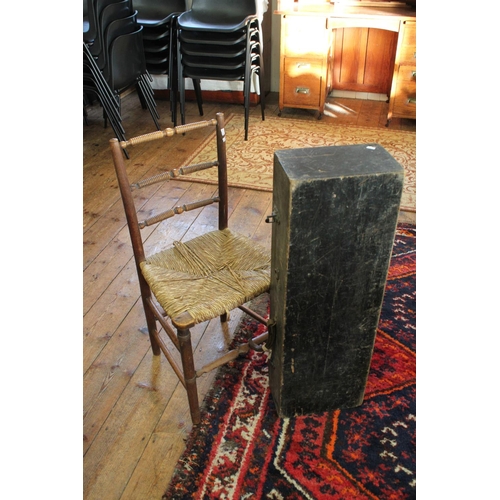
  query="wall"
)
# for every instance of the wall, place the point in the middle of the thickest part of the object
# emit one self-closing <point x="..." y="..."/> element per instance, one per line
<point x="275" y="48"/>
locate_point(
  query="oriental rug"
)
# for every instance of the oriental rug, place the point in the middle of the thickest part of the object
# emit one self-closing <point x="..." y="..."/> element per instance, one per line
<point x="243" y="450"/>
<point x="250" y="163"/>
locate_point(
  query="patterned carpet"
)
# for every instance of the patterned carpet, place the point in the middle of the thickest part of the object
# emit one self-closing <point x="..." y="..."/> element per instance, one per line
<point x="242" y="450"/>
<point x="250" y="163"/>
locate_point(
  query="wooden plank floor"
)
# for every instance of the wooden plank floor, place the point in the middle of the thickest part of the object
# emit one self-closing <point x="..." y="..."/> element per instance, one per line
<point x="135" y="411"/>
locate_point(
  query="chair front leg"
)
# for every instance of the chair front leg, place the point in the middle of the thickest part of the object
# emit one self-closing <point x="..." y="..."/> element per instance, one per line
<point x="187" y="358"/>
<point x="152" y="327"/>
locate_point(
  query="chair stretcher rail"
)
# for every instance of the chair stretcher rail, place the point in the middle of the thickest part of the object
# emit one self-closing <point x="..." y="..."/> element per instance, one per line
<point x="239" y="350"/>
<point x="174" y="173"/>
<point x="168" y="132"/>
<point x="176" y="211"/>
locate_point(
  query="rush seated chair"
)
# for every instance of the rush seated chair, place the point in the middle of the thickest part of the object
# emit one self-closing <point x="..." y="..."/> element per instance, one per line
<point x="192" y="281"/>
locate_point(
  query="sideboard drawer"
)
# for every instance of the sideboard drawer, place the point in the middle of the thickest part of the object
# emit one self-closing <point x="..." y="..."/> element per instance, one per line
<point x="407" y="73"/>
<point x="405" y="102"/>
<point x="302" y="82"/>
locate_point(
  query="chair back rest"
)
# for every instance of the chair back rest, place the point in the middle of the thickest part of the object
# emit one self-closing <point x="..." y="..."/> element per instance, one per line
<point x="100" y="5"/>
<point x="89" y="14"/>
<point x="158" y="10"/>
<point x="120" y="26"/>
<point x="97" y="8"/>
<point x="126" y="61"/>
<point x="126" y="188"/>
<point x="215" y="15"/>
<point x="112" y="12"/>
<point x="225" y="8"/>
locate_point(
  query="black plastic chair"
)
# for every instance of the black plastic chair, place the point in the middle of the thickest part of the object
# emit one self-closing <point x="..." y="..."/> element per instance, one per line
<point x="126" y="63"/>
<point x="221" y="40"/>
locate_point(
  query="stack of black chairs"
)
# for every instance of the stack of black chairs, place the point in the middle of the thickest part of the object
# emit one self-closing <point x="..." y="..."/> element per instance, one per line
<point x="159" y="21"/>
<point x="96" y="86"/>
<point x="221" y="40"/>
<point x="114" y="59"/>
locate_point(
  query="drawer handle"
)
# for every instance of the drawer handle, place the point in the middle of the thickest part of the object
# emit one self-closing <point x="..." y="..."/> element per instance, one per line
<point x="303" y="65"/>
<point x="414" y="55"/>
<point x="302" y="90"/>
<point x="414" y="74"/>
<point x="412" y="100"/>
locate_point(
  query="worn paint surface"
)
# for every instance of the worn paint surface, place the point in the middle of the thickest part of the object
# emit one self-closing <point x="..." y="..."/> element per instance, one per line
<point x="336" y="209"/>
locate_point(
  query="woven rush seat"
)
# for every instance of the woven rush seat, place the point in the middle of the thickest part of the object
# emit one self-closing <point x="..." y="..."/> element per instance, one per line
<point x="208" y="276"/>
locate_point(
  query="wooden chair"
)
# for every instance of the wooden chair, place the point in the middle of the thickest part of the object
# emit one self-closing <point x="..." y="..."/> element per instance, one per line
<point x="197" y="280"/>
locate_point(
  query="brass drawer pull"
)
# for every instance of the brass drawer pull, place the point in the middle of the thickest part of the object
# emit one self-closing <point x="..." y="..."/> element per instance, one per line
<point x="412" y="100"/>
<point x="302" y="90"/>
<point x="303" y="65"/>
<point x="414" y="74"/>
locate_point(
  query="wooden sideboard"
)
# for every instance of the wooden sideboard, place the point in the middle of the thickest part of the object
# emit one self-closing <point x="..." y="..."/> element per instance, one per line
<point x="403" y="100"/>
<point x="364" y="47"/>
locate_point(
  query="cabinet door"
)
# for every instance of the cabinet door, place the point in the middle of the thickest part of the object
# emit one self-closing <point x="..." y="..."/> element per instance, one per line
<point x="363" y="59"/>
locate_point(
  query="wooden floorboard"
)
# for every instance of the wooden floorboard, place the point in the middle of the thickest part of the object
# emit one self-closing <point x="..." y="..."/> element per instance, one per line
<point x="136" y="416"/>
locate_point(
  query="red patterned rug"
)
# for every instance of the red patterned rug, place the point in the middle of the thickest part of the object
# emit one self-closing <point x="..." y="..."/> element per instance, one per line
<point x="242" y="450"/>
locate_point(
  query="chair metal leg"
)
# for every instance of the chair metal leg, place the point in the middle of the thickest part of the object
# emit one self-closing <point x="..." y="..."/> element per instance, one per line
<point x="144" y="96"/>
<point x="262" y="91"/>
<point x="199" y="100"/>
<point x="262" y="104"/>
<point x="246" y="100"/>
<point x="186" y="351"/>
<point x="181" y="87"/>
<point x="173" y="87"/>
<point x="261" y="69"/>
<point x="182" y="100"/>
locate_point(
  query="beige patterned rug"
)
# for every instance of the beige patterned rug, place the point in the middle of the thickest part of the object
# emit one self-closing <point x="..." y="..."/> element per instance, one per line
<point x="250" y="163"/>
